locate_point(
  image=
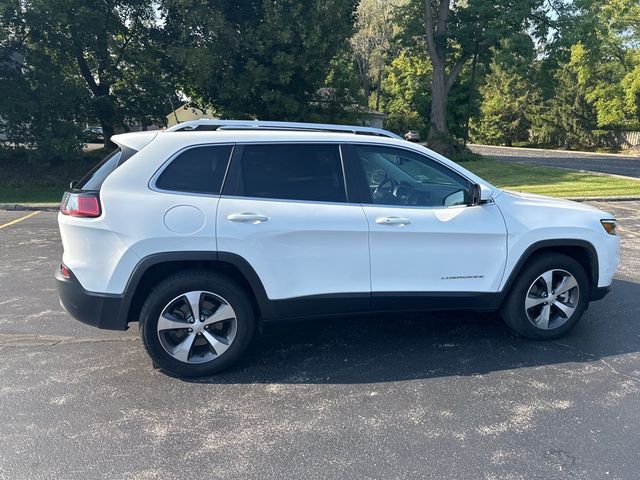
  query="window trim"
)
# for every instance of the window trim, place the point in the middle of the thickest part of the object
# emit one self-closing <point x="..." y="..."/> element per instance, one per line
<point x="152" y="182"/>
<point x="232" y="179"/>
<point x="363" y="187"/>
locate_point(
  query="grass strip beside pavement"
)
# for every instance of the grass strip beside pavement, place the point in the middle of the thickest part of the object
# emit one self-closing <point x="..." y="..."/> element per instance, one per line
<point x="32" y="194"/>
<point x="554" y="182"/>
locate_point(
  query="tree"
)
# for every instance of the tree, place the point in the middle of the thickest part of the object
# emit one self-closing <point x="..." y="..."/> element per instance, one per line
<point x="406" y="96"/>
<point x="257" y="58"/>
<point x="372" y="41"/>
<point x="108" y="45"/>
<point x="457" y="32"/>
<point x="41" y="103"/>
<point x="508" y="94"/>
<point x="601" y="43"/>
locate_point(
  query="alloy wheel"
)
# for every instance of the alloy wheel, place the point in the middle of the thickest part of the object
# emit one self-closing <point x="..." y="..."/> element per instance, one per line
<point x="197" y="327"/>
<point x="552" y="299"/>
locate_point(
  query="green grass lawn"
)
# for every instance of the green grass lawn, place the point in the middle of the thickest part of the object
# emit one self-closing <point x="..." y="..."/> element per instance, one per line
<point x="28" y="194"/>
<point x="47" y="187"/>
<point x="554" y="182"/>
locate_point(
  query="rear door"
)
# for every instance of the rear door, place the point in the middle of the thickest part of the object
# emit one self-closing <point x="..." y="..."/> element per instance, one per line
<point x="286" y="210"/>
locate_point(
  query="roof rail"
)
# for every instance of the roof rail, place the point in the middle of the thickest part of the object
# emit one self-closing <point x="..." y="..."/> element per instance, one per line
<point x="209" y="124"/>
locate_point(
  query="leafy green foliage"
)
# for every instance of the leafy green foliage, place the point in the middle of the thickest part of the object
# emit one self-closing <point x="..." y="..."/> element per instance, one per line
<point x="508" y="94"/>
<point x="257" y="58"/>
<point x="83" y="62"/>
<point x="406" y="94"/>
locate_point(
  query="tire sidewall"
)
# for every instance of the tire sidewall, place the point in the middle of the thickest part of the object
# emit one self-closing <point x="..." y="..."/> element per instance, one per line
<point x="513" y="311"/>
<point x="183" y="283"/>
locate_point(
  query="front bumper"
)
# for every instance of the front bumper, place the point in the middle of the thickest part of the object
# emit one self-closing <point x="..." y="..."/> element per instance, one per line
<point x="104" y="311"/>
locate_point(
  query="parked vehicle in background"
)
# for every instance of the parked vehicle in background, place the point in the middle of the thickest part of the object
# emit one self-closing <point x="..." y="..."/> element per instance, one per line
<point x="207" y="229"/>
<point x="412" y="136"/>
<point x="93" y="135"/>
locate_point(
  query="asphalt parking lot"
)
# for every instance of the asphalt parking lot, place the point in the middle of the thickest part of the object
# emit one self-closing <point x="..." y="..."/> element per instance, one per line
<point x="421" y="396"/>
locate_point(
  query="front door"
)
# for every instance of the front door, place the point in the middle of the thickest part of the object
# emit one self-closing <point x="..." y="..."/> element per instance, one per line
<point x="424" y="238"/>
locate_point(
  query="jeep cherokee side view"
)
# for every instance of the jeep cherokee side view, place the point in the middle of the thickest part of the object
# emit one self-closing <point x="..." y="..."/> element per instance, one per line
<point x="204" y="230"/>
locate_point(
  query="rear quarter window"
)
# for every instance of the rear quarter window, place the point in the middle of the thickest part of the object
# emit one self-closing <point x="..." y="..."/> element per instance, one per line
<point x="196" y="170"/>
<point x="93" y="180"/>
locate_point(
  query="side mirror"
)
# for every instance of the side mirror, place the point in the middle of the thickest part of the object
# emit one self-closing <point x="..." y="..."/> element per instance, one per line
<point x="479" y="194"/>
<point x="485" y="194"/>
<point x="72" y="185"/>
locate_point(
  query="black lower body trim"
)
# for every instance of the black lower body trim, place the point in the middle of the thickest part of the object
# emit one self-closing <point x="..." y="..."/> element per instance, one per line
<point x="98" y="310"/>
<point x="389" y="301"/>
<point x="357" y="303"/>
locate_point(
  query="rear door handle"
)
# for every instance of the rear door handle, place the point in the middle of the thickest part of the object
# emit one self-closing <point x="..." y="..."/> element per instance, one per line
<point x="393" y="221"/>
<point x="247" y="217"/>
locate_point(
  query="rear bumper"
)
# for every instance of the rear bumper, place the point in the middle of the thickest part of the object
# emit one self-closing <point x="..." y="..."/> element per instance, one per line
<point x="599" y="293"/>
<point x="99" y="310"/>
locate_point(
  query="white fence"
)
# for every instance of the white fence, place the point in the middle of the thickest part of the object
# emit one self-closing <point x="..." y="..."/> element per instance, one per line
<point x="629" y="140"/>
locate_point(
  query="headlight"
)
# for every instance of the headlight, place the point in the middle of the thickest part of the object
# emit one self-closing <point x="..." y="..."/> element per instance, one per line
<point x="610" y="225"/>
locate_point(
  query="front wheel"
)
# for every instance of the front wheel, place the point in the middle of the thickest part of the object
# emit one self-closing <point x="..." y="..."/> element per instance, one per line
<point x="548" y="298"/>
<point x="196" y="323"/>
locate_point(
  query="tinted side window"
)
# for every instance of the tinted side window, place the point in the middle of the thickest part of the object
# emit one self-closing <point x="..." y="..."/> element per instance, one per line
<point x="400" y="177"/>
<point x="197" y="170"/>
<point x="98" y="174"/>
<point x="292" y="172"/>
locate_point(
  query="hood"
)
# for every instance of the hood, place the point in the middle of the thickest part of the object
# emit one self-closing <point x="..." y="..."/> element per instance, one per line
<point x="533" y="199"/>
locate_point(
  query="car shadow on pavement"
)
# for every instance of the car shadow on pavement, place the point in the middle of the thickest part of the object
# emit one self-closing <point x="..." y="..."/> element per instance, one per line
<point x="405" y="347"/>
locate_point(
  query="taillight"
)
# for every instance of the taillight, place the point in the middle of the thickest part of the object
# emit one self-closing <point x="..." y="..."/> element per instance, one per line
<point x="83" y="204"/>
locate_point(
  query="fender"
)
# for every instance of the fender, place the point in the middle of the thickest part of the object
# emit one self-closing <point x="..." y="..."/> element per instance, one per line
<point x="542" y="244"/>
<point x="193" y="256"/>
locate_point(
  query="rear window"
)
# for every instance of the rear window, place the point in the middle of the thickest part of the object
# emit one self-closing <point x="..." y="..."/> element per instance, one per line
<point x="197" y="170"/>
<point x="292" y="172"/>
<point x="93" y="180"/>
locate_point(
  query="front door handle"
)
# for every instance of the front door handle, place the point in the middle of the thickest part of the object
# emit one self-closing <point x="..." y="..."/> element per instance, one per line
<point x="393" y="221"/>
<point x="247" y="217"/>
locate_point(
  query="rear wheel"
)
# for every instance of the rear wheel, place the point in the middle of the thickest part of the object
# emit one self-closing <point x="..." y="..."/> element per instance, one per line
<point x="548" y="298"/>
<point x="196" y="323"/>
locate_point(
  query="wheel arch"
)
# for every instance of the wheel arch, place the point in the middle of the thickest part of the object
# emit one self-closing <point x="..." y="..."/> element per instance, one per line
<point x="154" y="268"/>
<point x="580" y="250"/>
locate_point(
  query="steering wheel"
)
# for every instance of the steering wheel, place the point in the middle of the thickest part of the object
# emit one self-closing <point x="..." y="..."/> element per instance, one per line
<point x="383" y="183"/>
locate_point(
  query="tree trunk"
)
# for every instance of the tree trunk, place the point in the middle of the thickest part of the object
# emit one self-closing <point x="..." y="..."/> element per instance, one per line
<point x="472" y="92"/>
<point x="378" y="88"/>
<point x="438" y="120"/>
<point x="363" y="70"/>
<point x="107" y="132"/>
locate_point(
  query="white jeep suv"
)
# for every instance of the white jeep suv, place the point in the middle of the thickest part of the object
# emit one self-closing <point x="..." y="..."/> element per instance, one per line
<point x="205" y="230"/>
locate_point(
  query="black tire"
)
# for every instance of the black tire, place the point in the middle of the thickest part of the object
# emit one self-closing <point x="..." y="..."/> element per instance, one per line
<point x="179" y="284"/>
<point x="513" y="309"/>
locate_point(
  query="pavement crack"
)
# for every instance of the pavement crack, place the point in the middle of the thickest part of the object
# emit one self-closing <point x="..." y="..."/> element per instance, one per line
<point x="599" y="359"/>
<point x="630" y="377"/>
<point x="20" y="340"/>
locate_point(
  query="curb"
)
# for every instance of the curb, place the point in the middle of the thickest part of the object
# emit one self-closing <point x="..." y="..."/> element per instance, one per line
<point x="604" y="199"/>
<point x="30" y="206"/>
